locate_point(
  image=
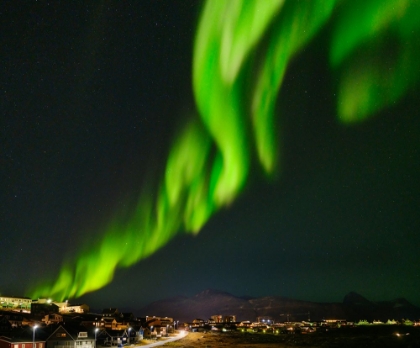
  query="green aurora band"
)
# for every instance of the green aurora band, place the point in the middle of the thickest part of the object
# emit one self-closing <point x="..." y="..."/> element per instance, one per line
<point x="374" y="51"/>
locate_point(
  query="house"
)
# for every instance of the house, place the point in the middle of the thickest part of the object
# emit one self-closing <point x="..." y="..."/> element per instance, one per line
<point x="109" y="323"/>
<point x="114" y="323"/>
<point x="15" y="319"/>
<point x="42" y="308"/>
<point x="79" y="308"/>
<point x="127" y="320"/>
<point x="69" y="336"/>
<point x="66" y="308"/>
<point x="111" y="312"/>
<point x="16" y="342"/>
<point x="229" y="318"/>
<point x="158" y="326"/>
<point x="61" y="305"/>
<point x="53" y="318"/>
<point x="90" y="320"/>
<point x="198" y="322"/>
<point x="216" y="319"/>
<point x="115" y="337"/>
<point x="163" y="321"/>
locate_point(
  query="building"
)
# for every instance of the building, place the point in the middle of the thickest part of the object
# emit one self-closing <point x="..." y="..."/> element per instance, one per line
<point x="69" y="337"/>
<point x="111" y="312"/>
<point x="109" y="323"/>
<point x="53" y="318"/>
<point x="67" y="308"/>
<point x="229" y="318"/>
<point x="198" y="322"/>
<point x="46" y="306"/>
<point x="79" y="308"/>
<point x="159" y="326"/>
<point x="217" y="318"/>
<point x="89" y="320"/>
<point x="115" y="337"/>
<point x="42" y="307"/>
<point x="14" y="342"/>
<point x="265" y="319"/>
<point x="15" y="303"/>
<point x="16" y="319"/>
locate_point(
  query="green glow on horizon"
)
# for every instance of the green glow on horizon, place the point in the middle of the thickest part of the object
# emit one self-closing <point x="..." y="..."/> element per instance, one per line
<point x="209" y="162"/>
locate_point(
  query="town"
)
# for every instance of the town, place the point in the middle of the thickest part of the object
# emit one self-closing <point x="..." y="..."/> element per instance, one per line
<point x="44" y="323"/>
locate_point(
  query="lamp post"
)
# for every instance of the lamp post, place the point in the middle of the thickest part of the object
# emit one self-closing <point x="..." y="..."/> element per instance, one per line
<point x="33" y="337"/>
<point x="129" y="329"/>
<point x="96" y="331"/>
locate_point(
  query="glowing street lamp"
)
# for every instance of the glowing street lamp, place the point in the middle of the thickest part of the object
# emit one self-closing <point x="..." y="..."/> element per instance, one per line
<point x="33" y="337"/>
<point x="129" y="329"/>
<point x="96" y="331"/>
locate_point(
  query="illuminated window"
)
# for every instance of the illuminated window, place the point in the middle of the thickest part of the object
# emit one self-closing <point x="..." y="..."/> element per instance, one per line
<point x="61" y="334"/>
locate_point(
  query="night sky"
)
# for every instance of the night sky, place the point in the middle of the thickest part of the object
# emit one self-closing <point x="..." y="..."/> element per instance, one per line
<point x="92" y="97"/>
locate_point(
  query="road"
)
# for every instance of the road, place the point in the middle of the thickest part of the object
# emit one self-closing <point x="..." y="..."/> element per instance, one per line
<point x="164" y="340"/>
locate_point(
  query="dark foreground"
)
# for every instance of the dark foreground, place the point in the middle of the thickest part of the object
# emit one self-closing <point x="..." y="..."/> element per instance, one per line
<point x="386" y="336"/>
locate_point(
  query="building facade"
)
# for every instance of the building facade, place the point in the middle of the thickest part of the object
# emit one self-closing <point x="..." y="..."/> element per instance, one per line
<point x="69" y="337"/>
<point x="6" y="342"/>
<point x="15" y="303"/>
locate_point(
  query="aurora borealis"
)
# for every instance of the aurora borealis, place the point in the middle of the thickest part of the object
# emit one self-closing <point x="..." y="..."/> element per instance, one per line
<point x="240" y="56"/>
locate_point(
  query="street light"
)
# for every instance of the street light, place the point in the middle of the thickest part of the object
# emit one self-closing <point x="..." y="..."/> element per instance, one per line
<point x="129" y="329"/>
<point x="33" y="337"/>
<point x="96" y="331"/>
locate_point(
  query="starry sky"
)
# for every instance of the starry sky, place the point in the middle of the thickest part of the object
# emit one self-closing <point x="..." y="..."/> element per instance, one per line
<point x="92" y="96"/>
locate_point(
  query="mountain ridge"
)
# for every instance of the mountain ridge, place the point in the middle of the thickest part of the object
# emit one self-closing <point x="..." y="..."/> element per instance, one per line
<point x="210" y="302"/>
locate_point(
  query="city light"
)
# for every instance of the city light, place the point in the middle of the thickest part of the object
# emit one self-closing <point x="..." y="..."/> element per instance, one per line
<point x="33" y="337"/>
<point x="96" y="331"/>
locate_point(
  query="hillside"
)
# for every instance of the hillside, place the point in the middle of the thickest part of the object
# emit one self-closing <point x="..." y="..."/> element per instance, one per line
<point x="211" y="302"/>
